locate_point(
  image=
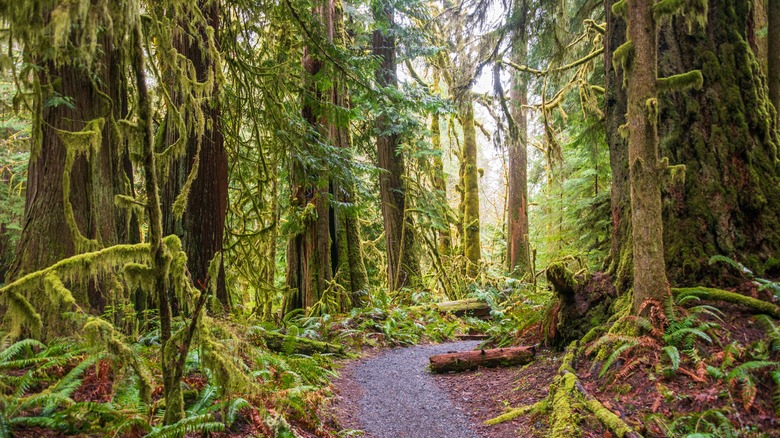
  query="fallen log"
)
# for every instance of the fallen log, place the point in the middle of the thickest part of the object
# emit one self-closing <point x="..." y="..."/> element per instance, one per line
<point x="469" y="360"/>
<point x="290" y="344"/>
<point x="468" y="307"/>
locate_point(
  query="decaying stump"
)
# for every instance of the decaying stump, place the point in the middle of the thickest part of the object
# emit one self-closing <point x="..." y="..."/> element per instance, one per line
<point x="469" y="360"/>
<point x="583" y="303"/>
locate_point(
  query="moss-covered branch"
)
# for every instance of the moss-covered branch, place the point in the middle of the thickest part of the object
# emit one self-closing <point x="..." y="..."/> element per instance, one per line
<point x="712" y="294"/>
<point x="682" y="82"/>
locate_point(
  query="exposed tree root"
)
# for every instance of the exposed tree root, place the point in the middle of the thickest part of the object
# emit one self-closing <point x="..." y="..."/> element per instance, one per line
<point x="567" y="396"/>
<point x="712" y="294"/>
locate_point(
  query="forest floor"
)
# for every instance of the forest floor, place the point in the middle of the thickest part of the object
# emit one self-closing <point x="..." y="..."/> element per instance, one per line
<point x="393" y="394"/>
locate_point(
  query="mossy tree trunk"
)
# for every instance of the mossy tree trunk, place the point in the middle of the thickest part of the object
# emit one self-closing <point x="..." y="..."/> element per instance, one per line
<point x="517" y="246"/>
<point x="729" y="202"/>
<point x="328" y="244"/>
<point x="201" y="227"/>
<point x="308" y="251"/>
<point x="349" y="263"/>
<point x="773" y="44"/>
<point x="403" y="263"/>
<point x="51" y="233"/>
<point x="472" y="249"/>
<point x="645" y="170"/>
<point x="620" y="262"/>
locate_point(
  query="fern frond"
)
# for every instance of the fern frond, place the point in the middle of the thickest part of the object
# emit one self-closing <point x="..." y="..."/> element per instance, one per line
<point x="775" y="376"/>
<point x="674" y="356"/>
<point x="234" y="408"/>
<point x="772" y="331"/>
<point x="616" y="354"/>
<point x="199" y="423"/>
<point x="734" y="264"/>
<point x="679" y="335"/>
<point x="206" y="398"/>
<point x="17" y="347"/>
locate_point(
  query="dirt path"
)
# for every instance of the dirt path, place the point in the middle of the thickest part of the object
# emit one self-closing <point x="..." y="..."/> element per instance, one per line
<point x="394" y="395"/>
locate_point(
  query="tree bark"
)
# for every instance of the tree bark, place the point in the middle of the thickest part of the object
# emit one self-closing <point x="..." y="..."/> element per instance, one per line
<point x="469" y="360"/>
<point x="650" y="283"/>
<point x="620" y="261"/>
<point x="201" y="227"/>
<point x="773" y="51"/>
<point x="517" y="246"/>
<point x="403" y="264"/>
<point x="729" y="201"/>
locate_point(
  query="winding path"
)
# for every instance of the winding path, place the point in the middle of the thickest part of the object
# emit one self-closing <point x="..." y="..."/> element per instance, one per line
<point x="399" y="397"/>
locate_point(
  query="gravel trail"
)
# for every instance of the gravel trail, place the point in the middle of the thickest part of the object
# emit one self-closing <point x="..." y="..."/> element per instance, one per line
<point x="399" y="397"/>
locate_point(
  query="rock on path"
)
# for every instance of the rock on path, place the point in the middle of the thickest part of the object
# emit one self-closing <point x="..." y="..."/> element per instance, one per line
<point x="401" y="399"/>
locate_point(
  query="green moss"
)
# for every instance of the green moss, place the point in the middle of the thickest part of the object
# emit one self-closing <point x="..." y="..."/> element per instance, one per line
<point x="564" y="419"/>
<point x="713" y="294"/>
<point x="692" y="80"/>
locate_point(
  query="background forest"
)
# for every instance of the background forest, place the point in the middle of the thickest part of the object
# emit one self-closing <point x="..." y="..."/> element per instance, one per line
<point x="205" y="203"/>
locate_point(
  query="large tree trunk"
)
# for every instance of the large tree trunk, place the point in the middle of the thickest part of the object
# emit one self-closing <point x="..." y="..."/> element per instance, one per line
<point x="470" y="185"/>
<point x="52" y="229"/>
<point x="620" y="262"/>
<point x="773" y="52"/>
<point x="725" y="136"/>
<point x="403" y="264"/>
<point x="650" y="283"/>
<point x="329" y="243"/>
<point x="201" y="227"/>
<point x="517" y="246"/>
<point x="350" y="267"/>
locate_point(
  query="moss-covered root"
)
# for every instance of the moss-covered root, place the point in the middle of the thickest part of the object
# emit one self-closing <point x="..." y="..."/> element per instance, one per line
<point x="568" y="397"/>
<point x="561" y="404"/>
<point x="606" y="417"/>
<point x="514" y="413"/>
<point x="712" y="294"/>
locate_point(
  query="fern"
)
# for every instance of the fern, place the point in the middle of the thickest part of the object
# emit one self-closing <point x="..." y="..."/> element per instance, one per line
<point x="743" y="374"/>
<point x="772" y="332"/>
<point x="234" y="408"/>
<point x="616" y="354"/>
<point x="674" y="357"/>
<point x="197" y="424"/>
<point x="18" y="347"/>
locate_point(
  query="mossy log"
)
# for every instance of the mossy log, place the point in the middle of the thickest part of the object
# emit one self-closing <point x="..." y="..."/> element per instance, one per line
<point x="297" y="345"/>
<point x="469" y="360"/>
<point x="468" y="307"/>
<point x="712" y="294"/>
